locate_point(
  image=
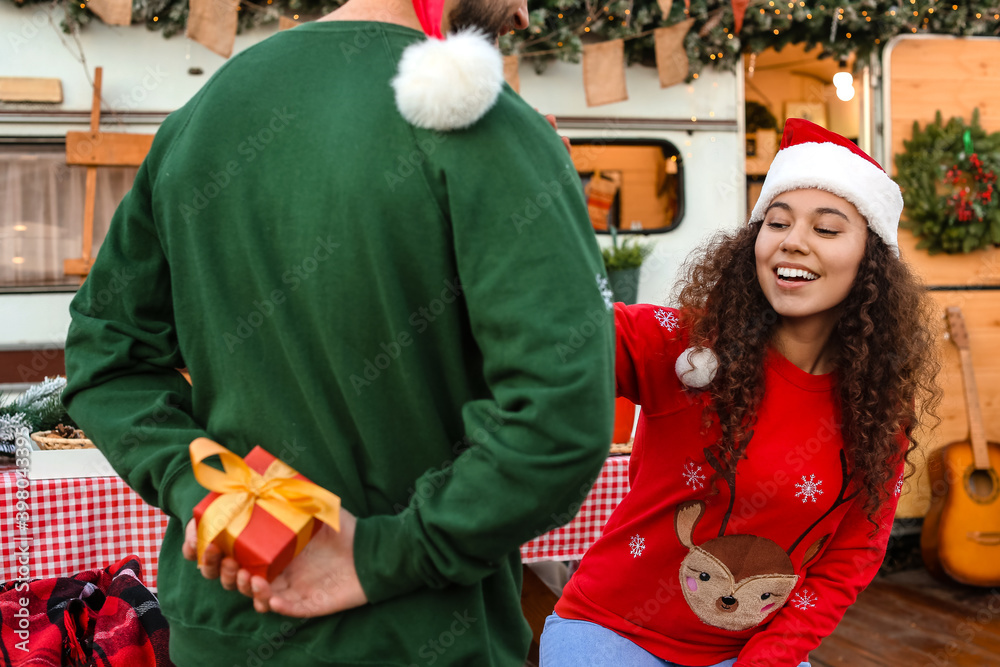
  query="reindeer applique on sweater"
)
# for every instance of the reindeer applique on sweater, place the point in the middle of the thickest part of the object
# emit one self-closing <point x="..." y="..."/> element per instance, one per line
<point x="735" y="582"/>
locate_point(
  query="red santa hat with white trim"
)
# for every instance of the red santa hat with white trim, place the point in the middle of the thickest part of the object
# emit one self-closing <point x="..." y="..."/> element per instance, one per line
<point x="811" y="156"/>
<point x="447" y="83"/>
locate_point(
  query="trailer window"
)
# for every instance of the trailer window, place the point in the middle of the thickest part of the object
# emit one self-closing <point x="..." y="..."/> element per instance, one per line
<point x="41" y="214"/>
<point x="633" y="186"/>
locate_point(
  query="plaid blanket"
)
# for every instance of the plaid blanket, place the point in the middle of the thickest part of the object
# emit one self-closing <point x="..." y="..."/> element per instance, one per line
<point x="97" y="618"/>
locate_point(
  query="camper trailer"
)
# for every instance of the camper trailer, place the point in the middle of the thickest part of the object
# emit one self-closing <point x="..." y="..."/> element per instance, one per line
<point x="664" y="167"/>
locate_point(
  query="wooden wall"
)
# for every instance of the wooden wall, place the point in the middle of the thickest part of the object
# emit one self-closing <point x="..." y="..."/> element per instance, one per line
<point x="955" y="76"/>
<point x="951" y="74"/>
<point x="644" y="171"/>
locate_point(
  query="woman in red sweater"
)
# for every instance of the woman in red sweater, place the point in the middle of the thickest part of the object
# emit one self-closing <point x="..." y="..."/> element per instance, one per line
<point x="778" y="407"/>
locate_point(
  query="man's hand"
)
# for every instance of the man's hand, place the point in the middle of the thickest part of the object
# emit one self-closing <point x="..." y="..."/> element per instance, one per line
<point x="319" y="581"/>
<point x="552" y="121"/>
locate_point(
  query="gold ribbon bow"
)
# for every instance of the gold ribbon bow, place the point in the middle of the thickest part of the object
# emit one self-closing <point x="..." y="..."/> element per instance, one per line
<point x="291" y="501"/>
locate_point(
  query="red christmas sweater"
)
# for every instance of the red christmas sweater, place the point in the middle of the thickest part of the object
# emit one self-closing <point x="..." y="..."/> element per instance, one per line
<point x="761" y="564"/>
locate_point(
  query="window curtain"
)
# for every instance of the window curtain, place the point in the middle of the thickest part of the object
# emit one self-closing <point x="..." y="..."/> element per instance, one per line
<point x="41" y="213"/>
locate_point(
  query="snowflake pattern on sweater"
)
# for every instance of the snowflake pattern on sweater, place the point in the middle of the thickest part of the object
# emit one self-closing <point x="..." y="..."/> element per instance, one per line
<point x="693" y="477"/>
<point x="636" y="546"/>
<point x="605" y="289"/>
<point x="809" y="489"/>
<point x="667" y="319"/>
<point x="774" y="549"/>
<point x="804" y="600"/>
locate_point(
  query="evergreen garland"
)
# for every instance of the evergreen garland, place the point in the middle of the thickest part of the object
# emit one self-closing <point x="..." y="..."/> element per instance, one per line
<point x="948" y="174"/>
<point x="40" y="408"/>
<point x="558" y="29"/>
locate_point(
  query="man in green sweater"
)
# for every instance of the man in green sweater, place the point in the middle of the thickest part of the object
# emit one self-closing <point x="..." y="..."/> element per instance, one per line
<point x="387" y="309"/>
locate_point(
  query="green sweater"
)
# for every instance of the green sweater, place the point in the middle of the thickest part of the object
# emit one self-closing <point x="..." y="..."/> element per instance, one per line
<point x="416" y="321"/>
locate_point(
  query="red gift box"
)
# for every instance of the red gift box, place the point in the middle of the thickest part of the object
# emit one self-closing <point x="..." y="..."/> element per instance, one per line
<point x="266" y="545"/>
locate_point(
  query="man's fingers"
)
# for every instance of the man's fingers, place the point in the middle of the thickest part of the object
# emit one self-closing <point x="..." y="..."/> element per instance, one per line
<point x="261" y="592"/>
<point x="228" y="571"/>
<point x="210" y="568"/>
<point x="243" y="583"/>
<point x="190" y="547"/>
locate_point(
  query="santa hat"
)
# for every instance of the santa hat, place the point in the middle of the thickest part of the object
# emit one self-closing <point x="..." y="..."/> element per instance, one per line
<point x="813" y="157"/>
<point x="447" y="83"/>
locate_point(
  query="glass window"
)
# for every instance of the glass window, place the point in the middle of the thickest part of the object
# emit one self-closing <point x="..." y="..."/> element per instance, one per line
<point x="41" y="213"/>
<point x="633" y="186"/>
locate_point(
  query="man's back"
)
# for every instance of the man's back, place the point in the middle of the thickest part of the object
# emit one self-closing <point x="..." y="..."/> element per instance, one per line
<point x="368" y="302"/>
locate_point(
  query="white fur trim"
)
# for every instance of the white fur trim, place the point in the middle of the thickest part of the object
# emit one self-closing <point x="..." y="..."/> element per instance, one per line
<point x="836" y="169"/>
<point x="448" y="84"/>
<point x="696" y="367"/>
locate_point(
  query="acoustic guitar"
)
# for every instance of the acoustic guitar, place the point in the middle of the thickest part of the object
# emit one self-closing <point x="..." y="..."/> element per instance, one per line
<point x="961" y="532"/>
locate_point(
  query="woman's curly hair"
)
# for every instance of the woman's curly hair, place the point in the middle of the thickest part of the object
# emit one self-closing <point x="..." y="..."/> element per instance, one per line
<point x="886" y="356"/>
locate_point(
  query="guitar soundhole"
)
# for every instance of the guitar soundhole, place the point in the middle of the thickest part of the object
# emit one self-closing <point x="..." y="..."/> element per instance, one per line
<point x="981" y="485"/>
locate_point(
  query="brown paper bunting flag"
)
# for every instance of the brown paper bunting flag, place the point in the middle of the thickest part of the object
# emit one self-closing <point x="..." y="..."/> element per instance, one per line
<point x="112" y="12"/>
<point x="285" y="23"/>
<point x="510" y="72"/>
<point x="665" y="6"/>
<point x="604" y="72"/>
<point x="739" y="11"/>
<point x="212" y="23"/>
<point x="671" y="57"/>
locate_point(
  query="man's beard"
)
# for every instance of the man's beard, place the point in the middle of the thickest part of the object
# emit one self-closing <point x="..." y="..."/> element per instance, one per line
<point x="483" y="15"/>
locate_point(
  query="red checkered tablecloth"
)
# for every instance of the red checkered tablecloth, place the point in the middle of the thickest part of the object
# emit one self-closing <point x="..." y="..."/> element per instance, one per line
<point x="78" y="524"/>
<point x="91" y="522"/>
<point x="572" y="540"/>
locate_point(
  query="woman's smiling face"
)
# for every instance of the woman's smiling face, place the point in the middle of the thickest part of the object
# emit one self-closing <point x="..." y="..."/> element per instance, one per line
<point x="808" y="251"/>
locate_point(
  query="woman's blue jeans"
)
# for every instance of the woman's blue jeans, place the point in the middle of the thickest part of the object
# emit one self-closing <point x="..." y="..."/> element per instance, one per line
<point x="569" y="643"/>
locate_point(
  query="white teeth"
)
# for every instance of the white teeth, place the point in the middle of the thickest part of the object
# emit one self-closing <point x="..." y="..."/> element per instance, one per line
<point x="784" y="272"/>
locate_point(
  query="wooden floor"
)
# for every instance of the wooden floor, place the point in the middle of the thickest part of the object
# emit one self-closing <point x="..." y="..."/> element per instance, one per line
<point x="908" y="619"/>
<point x="905" y="619"/>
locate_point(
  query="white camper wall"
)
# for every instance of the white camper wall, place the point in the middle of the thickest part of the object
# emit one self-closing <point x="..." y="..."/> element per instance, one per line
<point x="143" y="72"/>
<point x="702" y="119"/>
<point x="146" y="76"/>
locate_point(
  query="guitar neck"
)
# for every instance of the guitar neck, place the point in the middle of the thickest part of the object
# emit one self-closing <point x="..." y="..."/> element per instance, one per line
<point x="977" y="434"/>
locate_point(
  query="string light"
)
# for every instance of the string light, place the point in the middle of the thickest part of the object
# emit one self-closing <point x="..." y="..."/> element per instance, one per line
<point x="694" y="76"/>
<point x="156" y="18"/>
<point x="775" y="31"/>
<point x="296" y="17"/>
<point x="19" y="260"/>
<point x="586" y="29"/>
<point x="809" y="16"/>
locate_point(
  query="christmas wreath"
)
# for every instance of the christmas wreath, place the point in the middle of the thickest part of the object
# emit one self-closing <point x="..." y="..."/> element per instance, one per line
<point x="948" y="174"/>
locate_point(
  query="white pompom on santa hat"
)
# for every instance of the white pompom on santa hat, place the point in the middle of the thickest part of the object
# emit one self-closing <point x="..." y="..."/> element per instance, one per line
<point x="811" y="156"/>
<point x="447" y="83"/>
